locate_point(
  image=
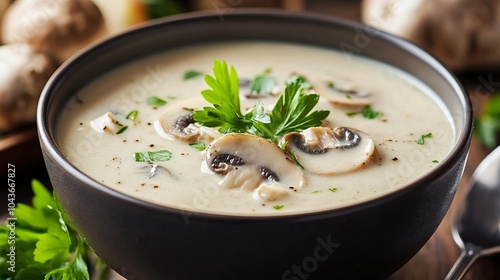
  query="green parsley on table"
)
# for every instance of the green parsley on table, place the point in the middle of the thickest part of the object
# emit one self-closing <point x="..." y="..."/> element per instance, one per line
<point x="153" y="156"/>
<point x="292" y="111"/>
<point x="46" y="244"/>
<point x="487" y="126"/>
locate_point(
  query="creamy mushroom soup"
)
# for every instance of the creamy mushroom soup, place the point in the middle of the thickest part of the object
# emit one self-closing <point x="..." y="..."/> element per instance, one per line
<point x="147" y="131"/>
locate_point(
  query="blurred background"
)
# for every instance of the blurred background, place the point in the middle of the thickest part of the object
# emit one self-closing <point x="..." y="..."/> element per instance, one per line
<point x="463" y="34"/>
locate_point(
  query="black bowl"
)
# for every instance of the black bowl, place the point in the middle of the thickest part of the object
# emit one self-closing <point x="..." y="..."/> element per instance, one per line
<point x="138" y="239"/>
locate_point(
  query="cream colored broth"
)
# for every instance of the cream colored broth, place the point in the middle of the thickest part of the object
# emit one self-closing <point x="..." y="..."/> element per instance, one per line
<point x="409" y="110"/>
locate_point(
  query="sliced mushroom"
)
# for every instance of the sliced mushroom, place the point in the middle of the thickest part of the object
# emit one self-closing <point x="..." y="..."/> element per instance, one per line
<point x="251" y="162"/>
<point x="323" y="150"/>
<point x="177" y="122"/>
<point x="343" y="93"/>
<point x="106" y="123"/>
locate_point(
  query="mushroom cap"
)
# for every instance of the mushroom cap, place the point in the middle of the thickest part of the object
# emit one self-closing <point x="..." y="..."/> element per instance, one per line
<point x="249" y="161"/>
<point x="323" y="150"/>
<point x="342" y="92"/>
<point x="176" y="122"/>
<point x="59" y="28"/>
<point x="461" y="33"/>
<point x="23" y="74"/>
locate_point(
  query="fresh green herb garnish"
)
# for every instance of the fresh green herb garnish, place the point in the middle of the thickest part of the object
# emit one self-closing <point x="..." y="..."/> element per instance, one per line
<point x="316" y="191"/>
<point x="292" y="111"/>
<point x="278" y="207"/>
<point x="291" y="154"/>
<point x="46" y="244"/>
<point x="435" y="161"/>
<point x="132" y="115"/>
<point x="306" y="85"/>
<point x="487" y="126"/>
<point x="122" y="129"/>
<point x="156" y="101"/>
<point x="367" y="112"/>
<point x="421" y="140"/>
<point x="154" y="156"/>
<point x="332" y="189"/>
<point x="330" y="84"/>
<point x="192" y="74"/>
<point x="199" y="146"/>
<point x="263" y="84"/>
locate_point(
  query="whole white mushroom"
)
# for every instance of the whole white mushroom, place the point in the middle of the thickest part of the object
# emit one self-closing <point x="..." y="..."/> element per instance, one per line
<point x="461" y="33"/>
<point x="56" y="27"/>
<point x="23" y="74"/>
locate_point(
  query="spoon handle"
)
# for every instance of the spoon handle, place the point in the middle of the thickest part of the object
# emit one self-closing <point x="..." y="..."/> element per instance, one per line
<point x="468" y="256"/>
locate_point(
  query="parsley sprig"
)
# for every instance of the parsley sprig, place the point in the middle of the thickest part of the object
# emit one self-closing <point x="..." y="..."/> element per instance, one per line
<point x="292" y="111"/>
<point x="487" y="125"/>
<point x="46" y="244"/>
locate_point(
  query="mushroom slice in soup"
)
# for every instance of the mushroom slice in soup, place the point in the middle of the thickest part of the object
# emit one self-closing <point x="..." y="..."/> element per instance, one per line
<point x="254" y="163"/>
<point x="323" y="150"/>
<point x="344" y="94"/>
<point x="177" y="123"/>
<point x="106" y="123"/>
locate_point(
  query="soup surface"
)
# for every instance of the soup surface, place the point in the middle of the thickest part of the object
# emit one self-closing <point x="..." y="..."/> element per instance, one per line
<point x="116" y="130"/>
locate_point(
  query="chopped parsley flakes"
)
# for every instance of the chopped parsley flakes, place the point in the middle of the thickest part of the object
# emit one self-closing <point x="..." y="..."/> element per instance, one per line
<point x="155" y="101"/>
<point x="153" y="156"/>
<point x="421" y="140"/>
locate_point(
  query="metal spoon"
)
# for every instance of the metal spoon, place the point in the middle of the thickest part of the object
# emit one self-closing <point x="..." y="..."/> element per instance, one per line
<point x="476" y="228"/>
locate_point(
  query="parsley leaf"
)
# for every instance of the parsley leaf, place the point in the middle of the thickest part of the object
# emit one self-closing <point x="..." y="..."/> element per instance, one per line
<point x="224" y="95"/>
<point x="155" y="101"/>
<point x="47" y="246"/>
<point x="278" y="207"/>
<point x="122" y="129"/>
<point x="199" y="146"/>
<point x="421" y="140"/>
<point x="192" y="74"/>
<point x="487" y="126"/>
<point x="155" y="156"/>
<point x="367" y="112"/>
<point x="292" y="111"/>
<point x="132" y="115"/>
<point x="263" y="84"/>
